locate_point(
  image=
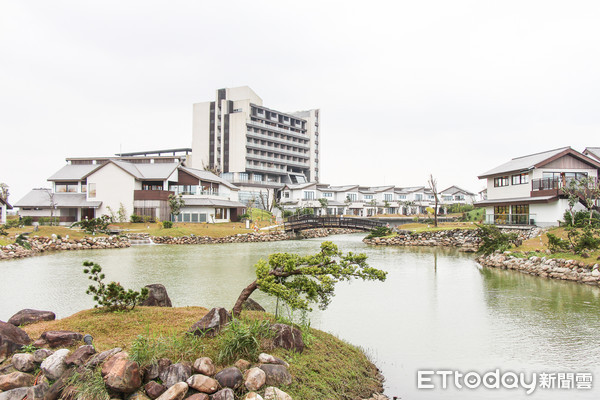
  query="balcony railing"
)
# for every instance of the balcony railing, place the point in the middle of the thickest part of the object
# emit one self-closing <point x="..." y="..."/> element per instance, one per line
<point x="193" y="191"/>
<point x="546" y="184"/>
<point x="510" y="219"/>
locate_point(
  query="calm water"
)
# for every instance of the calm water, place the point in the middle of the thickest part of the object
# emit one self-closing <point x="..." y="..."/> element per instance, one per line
<point x="437" y="310"/>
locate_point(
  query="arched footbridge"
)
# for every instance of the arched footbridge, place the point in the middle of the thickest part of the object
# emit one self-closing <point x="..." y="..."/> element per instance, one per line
<point x="301" y="222"/>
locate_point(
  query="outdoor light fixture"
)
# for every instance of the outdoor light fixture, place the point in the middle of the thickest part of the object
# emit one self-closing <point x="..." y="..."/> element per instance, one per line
<point x="87" y="339"/>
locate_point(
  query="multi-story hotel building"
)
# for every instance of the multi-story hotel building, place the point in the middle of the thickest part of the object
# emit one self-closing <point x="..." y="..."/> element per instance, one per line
<point x="252" y="145"/>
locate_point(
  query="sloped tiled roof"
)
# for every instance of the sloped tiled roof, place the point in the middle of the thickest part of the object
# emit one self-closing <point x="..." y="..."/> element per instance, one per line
<point x="455" y="189"/>
<point x="73" y="172"/>
<point x="593" y="152"/>
<point x="40" y="198"/>
<point x="208" y="176"/>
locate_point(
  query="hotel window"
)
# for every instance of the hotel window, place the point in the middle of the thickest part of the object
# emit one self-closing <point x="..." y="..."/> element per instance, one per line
<point x="501" y="181"/>
<point x="91" y="190"/>
<point x="520" y="179"/>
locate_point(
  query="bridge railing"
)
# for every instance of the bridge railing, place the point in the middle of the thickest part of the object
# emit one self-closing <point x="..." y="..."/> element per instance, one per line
<point x="299" y="222"/>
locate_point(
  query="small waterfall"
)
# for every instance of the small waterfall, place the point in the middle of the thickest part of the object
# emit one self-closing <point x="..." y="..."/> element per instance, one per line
<point x="139" y="240"/>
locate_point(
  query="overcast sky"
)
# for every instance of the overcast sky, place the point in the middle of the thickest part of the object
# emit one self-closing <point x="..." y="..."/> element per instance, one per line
<point x="406" y="88"/>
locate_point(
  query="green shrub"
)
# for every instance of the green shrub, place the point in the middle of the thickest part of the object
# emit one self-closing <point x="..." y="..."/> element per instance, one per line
<point x="134" y="218"/>
<point x="13" y="223"/>
<point x="244" y="216"/>
<point x="27" y="221"/>
<point x="556" y="244"/>
<point x="240" y="339"/>
<point x="380" y="231"/>
<point x="493" y="239"/>
<point x="3" y="231"/>
<point x="48" y="220"/>
<point x="95" y="224"/>
<point x="287" y="213"/>
<point x="112" y="297"/>
<point x="167" y="224"/>
<point x="581" y="219"/>
<point x="21" y="240"/>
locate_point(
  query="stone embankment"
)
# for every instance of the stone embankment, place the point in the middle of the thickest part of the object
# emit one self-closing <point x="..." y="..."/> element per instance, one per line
<point x="250" y="237"/>
<point x="554" y="268"/>
<point x="467" y="240"/>
<point x="40" y="245"/>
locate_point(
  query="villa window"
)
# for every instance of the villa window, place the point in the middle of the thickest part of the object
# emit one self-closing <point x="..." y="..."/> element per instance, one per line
<point x="501" y="181"/>
<point x="327" y="194"/>
<point x="352" y="196"/>
<point x="402" y="197"/>
<point x="520" y="179"/>
<point x="68" y="187"/>
<point x="220" y="213"/>
<point x="388" y="197"/>
<point x="309" y="195"/>
<point x="91" y="190"/>
<point x="368" y="196"/>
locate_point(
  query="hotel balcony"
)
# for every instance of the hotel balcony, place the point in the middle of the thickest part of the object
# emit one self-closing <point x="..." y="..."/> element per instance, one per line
<point x="278" y="150"/>
<point x="279" y="140"/>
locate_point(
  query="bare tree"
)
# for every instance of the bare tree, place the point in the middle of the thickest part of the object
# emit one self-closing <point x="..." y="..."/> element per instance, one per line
<point x="215" y="169"/>
<point x="4" y="193"/>
<point x="53" y="205"/>
<point x="433" y="186"/>
<point x="268" y="200"/>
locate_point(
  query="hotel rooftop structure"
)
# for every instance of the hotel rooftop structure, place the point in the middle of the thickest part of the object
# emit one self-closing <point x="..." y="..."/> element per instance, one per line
<point x="252" y="145"/>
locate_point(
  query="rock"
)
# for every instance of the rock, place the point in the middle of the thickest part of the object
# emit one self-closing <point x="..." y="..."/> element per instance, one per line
<point x="175" y="392"/>
<point x="204" y="366"/>
<point x="277" y="375"/>
<point x="54" y="366"/>
<point x="255" y="378"/>
<point x="23" y="362"/>
<point x="57" y="387"/>
<point x="288" y="337"/>
<point x="99" y="358"/>
<point x="198" y="396"/>
<point x="596" y="272"/>
<point x="269" y="359"/>
<point x="154" y="389"/>
<point x="121" y="375"/>
<point x="211" y="323"/>
<point x="29" y="316"/>
<point x="253" y="396"/>
<point x="177" y="373"/>
<point x="158" y="370"/>
<point x="157" y="296"/>
<point x="230" y="378"/>
<point x="12" y="339"/>
<point x="138" y="396"/>
<point x="14" y="394"/>
<point x="41" y="354"/>
<point x="272" y="393"/>
<point x="81" y="355"/>
<point x="16" y="380"/>
<point x="225" y="394"/>
<point x="203" y="383"/>
<point x="61" y="338"/>
<point x="252" y="305"/>
<point x="38" y="392"/>
<point x="242" y="365"/>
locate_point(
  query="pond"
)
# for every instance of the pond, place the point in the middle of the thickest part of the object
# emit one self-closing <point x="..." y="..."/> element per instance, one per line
<point x="438" y="309"/>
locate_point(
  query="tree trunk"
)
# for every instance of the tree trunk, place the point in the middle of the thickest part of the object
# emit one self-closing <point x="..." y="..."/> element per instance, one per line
<point x="435" y="211"/>
<point x="237" y="308"/>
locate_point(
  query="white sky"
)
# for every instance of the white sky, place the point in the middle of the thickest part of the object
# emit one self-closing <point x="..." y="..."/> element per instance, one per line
<point x="406" y="88"/>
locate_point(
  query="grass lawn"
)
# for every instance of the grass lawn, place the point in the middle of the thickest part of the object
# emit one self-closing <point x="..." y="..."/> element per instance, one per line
<point x="329" y="368"/>
<point x="539" y="245"/>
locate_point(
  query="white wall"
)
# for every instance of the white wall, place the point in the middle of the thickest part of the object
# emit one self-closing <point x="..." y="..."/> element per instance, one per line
<point x="113" y="187"/>
<point x="200" y="134"/>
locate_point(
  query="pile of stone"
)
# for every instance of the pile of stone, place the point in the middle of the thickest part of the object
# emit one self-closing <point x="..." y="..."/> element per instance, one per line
<point x="323" y="232"/>
<point x="466" y="239"/>
<point x="40" y="244"/>
<point x="239" y="238"/>
<point x="569" y="270"/>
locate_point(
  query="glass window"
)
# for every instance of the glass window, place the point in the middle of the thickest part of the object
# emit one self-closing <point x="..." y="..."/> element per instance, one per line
<point x="352" y="196"/>
<point x="501" y="181"/>
<point x="309" y="195"/>
<point x="388" y="197"/>
<point x="194" y="217"/>
<point x="520" y="179"/>
<point x="368" y="196"/>
<point x="186" y="217"/>
<point x="92" y="190"/>
<point x="202" y="217"/>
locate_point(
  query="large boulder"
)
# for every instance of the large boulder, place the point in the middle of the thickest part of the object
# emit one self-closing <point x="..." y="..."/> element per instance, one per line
<point x="38" y="392"/>
<point x="23" y="362"/>
<point x="252" y="305"/>
<point x="16" y="380"/>
<point x="154" y="389"/>
<point x="272" y="393"/>
<point x="81" y="355"/>
<point x="253" y="396"/>
<point x="288" y="337"/>
<point x="199" y="396"/>
<point x="14" y="394"/>
<point x="158" y="370"/>
<point x="230" y="378"/>
<point x="59" y="338"/>
<point x="225" y="394"/>
<point x="255" y="378"/>
<point x="203" y="383"/>
<point x="211" y="323"/>
<point x="157" y="296"/>
<point x="204" y="366"/>
<point x="276" y="375"/>
<point x="122" y="375"/>
<point x="54" y="366"/>
<point x="29" y="316"/>
<point x="175" y="392"/>
<point x="265" y="358"/>
<point x="177" y="373"/>
<point x="12" y="339"/>
<point x="99" y="358"/>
